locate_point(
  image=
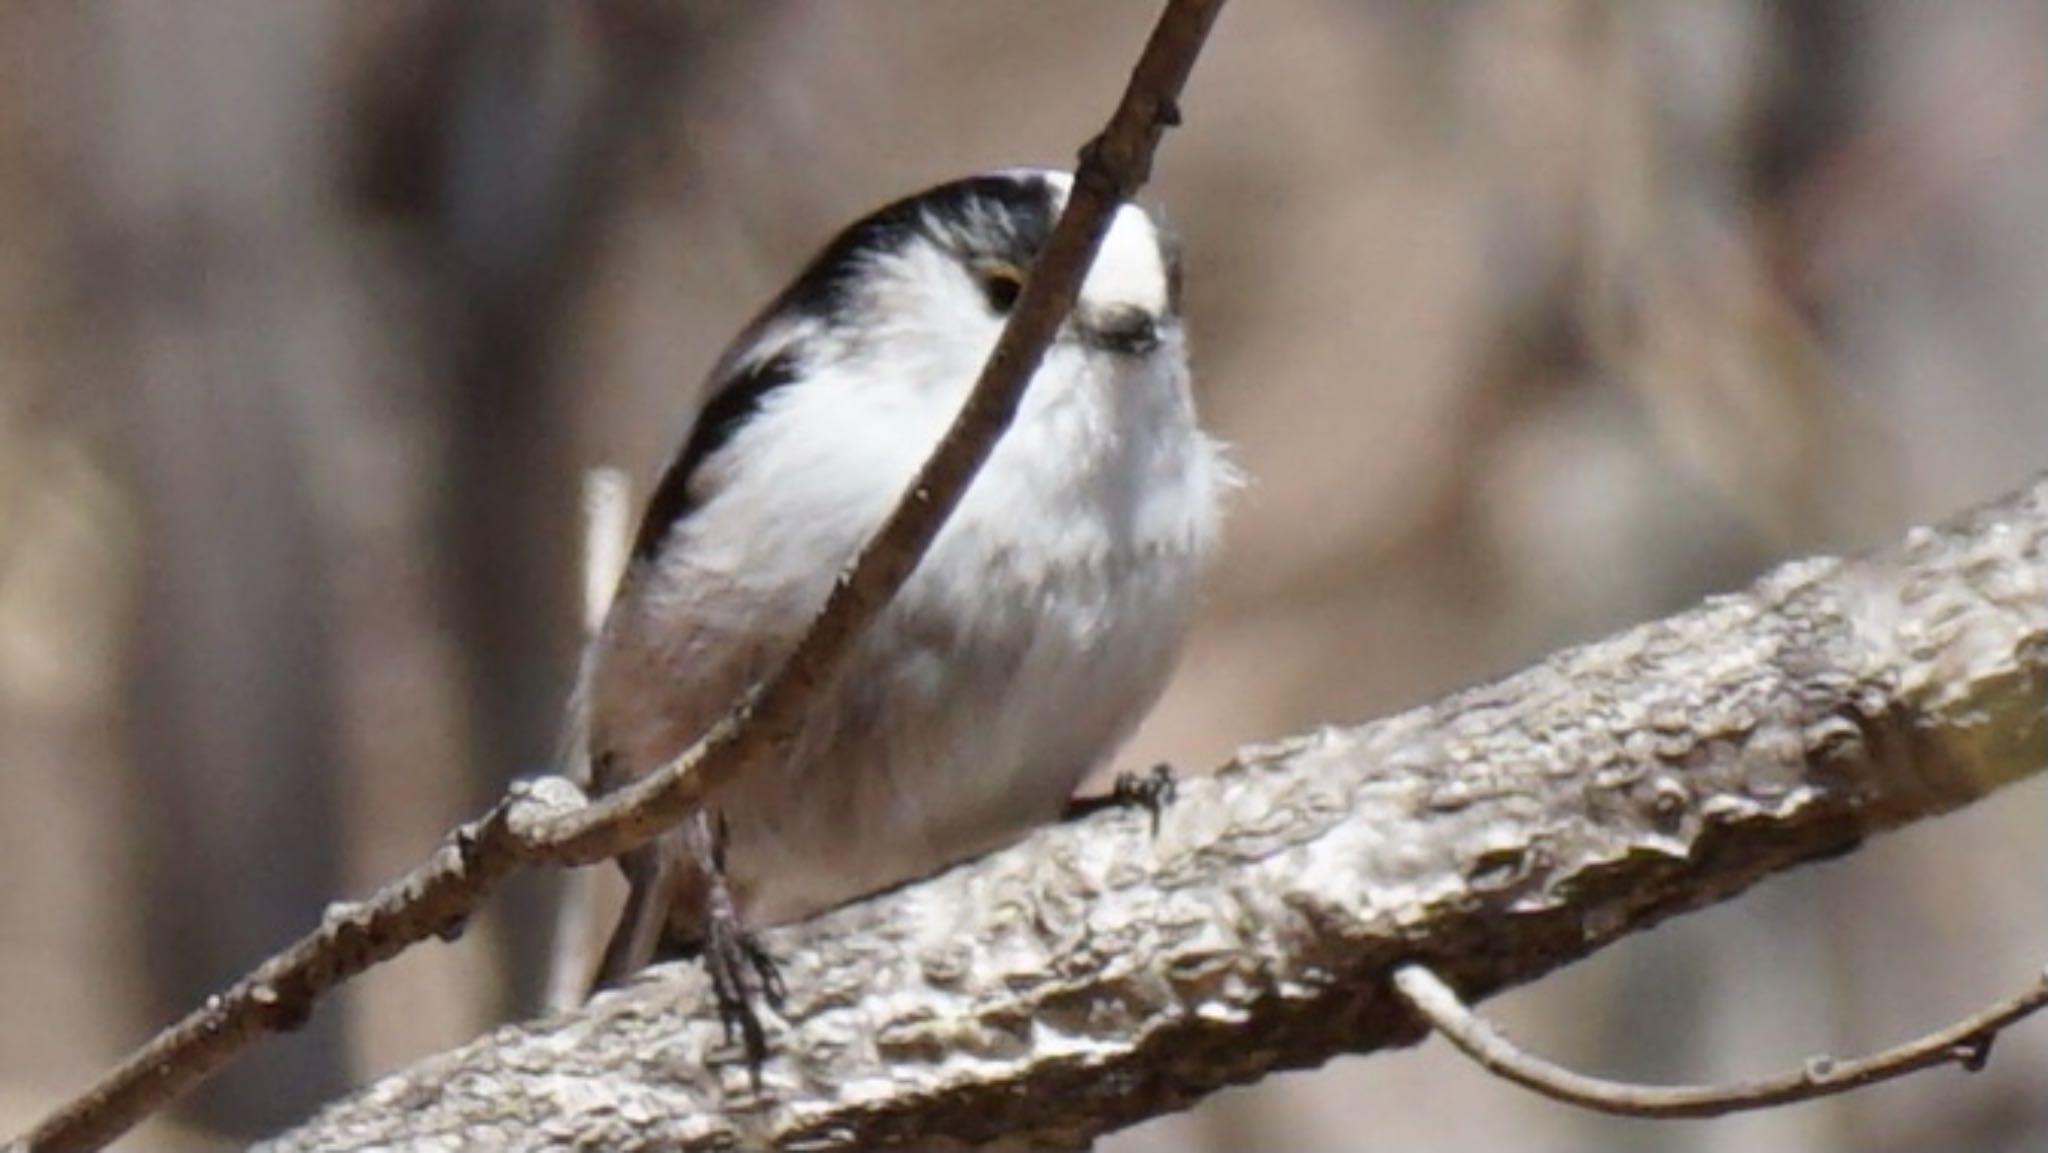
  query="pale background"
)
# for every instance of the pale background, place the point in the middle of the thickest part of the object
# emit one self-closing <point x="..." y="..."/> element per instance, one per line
<point x="1532" y="319"/>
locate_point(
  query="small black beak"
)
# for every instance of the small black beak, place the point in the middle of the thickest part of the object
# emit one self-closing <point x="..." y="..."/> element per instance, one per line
<point x="1123" y="328"/>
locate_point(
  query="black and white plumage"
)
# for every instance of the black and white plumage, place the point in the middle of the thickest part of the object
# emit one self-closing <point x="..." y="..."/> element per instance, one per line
<point x="1036" y="632"/>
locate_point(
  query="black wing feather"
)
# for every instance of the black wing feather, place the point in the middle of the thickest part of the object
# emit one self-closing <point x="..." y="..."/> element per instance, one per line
<point x="732" y="405"/>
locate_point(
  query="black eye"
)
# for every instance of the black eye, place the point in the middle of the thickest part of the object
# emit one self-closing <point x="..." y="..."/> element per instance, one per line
<point x="1000" y="285"/>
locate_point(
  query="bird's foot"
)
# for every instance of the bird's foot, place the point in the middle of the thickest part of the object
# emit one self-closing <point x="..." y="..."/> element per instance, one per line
<point x="742" y="973"/>
<point x="1151" y="791"/>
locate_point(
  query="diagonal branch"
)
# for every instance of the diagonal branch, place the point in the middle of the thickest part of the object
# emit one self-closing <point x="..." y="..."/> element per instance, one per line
<point x="1094" y="976"/>
<point x="548" y="823"/>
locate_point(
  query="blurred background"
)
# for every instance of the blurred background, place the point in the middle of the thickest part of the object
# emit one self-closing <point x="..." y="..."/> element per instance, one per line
<point x="1532" y="319"/>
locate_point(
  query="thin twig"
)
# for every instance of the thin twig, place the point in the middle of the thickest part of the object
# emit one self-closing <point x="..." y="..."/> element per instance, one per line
<point x="1966" y="1043"/>
<point x="545" y="823"/>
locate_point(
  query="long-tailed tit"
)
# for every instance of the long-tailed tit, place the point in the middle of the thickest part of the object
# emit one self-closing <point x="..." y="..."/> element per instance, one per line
<point x="1024" y="648"/>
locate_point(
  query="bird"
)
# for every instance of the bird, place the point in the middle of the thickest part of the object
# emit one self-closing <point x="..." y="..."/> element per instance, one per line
<point x="1019" y="654"/>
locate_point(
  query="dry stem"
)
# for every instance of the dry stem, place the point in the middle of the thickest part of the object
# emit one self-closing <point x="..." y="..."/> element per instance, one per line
<point x="1966" y="1043"/>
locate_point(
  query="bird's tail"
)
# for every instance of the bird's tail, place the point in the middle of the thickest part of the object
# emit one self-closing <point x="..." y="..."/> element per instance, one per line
<point x="651" y="873"/>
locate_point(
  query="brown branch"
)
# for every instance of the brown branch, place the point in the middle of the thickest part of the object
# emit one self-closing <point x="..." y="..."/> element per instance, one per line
<point x="1966" y="1043"/>
<point x="549" y="824"/>
<point x="1095" y="975"/>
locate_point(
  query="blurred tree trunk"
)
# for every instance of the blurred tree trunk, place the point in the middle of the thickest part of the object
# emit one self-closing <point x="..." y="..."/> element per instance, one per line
<point x="501" y="131"/>
<point x="212" y="182"/>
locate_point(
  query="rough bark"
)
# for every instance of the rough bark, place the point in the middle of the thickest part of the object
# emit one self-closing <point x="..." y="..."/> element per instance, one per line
<point x="1097" y="975"/>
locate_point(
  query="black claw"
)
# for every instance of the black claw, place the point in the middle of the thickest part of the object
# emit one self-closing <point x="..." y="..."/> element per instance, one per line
<point x="765" y="968"/>
<point x="742" y="973"/>
<point x="1151" y="791"/>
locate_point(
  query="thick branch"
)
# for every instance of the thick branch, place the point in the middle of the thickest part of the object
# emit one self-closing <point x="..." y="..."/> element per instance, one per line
<point x="1095" y="976"/>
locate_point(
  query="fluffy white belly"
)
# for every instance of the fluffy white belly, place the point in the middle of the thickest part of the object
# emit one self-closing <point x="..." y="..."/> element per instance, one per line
<point x="966" y="717"/>
<point x="1024" y="648"/>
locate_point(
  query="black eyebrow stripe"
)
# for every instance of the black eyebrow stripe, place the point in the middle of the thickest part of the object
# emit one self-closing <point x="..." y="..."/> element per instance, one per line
<point x="1015" y="209"/>
<point x="733" y="402"/>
